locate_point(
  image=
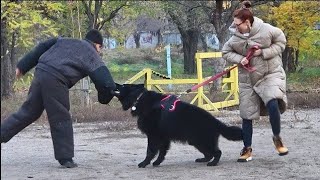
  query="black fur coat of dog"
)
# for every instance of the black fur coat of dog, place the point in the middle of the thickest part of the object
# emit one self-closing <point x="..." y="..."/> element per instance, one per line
<point x="164" y="119"/>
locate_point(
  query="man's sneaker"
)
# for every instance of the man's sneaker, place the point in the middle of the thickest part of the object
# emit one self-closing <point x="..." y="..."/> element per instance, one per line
<point x="282" y="150"/>
<point x="245" y="154"/>
<point x="68" y="163"/>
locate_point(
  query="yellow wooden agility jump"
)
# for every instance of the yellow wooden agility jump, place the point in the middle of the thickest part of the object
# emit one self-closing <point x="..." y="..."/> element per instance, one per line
<point x="229" y="84"/>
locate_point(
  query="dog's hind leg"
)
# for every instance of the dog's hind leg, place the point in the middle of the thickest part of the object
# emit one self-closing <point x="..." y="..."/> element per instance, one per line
<point x="217" y="155"/>
<point x="162" y="153"/>
<point x="207" y="154"/>
<point x="151" y="152"/>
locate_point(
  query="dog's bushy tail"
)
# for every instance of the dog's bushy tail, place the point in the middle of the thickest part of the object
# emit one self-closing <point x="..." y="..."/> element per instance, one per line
<point x="232" y="133"/>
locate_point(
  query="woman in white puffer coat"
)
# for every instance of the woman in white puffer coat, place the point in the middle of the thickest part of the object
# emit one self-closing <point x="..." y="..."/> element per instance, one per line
<point x="262" y="92"/>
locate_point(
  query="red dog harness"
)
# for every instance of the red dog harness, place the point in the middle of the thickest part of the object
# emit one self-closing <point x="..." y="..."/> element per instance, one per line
<point x="169" y="102"/>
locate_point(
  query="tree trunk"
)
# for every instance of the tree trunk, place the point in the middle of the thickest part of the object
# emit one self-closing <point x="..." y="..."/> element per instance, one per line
<point x="14" y="52"/>
<point x="219" y="63"/>
<point x="4" y="49"/>
<point x="297" y="57"/>
<point x="190" y="42"/>
<point x="160" y="40"/>
<point x="6" y="77"/>
<point x="221" y="20"/>
<point x="136" y="37"/>
<point x="204" y="42"/>
<point x="222" y="36"/>
<point x="6" y="86"/>
<point x="289" y="59"/>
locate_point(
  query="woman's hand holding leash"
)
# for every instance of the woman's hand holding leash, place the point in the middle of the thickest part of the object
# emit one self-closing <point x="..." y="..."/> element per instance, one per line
<point x="257" y="52"/>
<point x="244" y="61"/>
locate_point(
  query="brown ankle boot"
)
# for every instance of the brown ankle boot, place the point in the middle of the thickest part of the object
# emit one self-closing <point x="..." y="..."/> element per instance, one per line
<point x="282" y="149"/>
<point x="245" y="155"/>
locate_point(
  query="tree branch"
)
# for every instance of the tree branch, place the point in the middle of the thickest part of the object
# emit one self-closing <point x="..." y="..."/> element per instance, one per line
<point x="97" y="7"/>
<point x="87" y="9"/>
<point x="175" y="19"/>
<point x="111" y="15"/>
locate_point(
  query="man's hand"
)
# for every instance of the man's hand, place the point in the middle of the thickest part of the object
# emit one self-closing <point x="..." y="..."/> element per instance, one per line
<point x="18" y="73"/>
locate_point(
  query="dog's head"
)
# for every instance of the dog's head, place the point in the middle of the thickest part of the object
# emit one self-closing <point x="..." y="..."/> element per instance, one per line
<point x="129" y="93"/>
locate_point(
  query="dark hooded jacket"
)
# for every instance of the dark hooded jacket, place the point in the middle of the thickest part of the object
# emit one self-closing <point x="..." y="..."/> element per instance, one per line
<point x="70" y="60"/>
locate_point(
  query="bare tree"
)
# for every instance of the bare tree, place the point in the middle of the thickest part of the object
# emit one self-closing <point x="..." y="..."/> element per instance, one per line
<point x="5" y="61"/>
<point x="9" y="43"/>
<point x="188" y="17"/>
<point x="100" y="12"/>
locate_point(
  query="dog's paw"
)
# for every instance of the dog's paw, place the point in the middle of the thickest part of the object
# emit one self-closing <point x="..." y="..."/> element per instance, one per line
<point x="142" y="164"/>
<point x="156" y="163"/>
<point x="212" y="163"/>
<point x="202" y="160"/>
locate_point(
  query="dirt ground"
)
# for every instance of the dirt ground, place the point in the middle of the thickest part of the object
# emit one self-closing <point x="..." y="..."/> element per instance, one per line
<point x="105" y="154"/>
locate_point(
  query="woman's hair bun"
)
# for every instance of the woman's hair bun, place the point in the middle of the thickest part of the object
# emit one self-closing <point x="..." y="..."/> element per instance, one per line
<point x="246" y="4"/>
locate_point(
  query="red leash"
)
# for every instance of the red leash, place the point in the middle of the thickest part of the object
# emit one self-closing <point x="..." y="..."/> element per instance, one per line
<point x="249" y="57"/>
<point x="247" y="67"/>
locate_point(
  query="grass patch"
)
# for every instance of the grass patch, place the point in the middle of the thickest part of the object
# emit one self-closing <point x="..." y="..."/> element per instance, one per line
<point x="307" y="78"/>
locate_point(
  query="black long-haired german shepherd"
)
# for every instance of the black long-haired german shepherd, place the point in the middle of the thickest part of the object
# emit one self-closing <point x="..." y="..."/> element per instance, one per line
<point x="164" y="118"/>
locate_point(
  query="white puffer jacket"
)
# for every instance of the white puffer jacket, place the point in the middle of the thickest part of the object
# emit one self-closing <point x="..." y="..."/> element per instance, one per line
<point x="269" y="80"/>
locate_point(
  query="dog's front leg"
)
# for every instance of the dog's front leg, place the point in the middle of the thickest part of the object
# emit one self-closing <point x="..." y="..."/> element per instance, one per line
<point x="151" y="153"/>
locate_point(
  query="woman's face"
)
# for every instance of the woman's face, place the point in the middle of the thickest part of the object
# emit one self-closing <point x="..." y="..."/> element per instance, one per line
<point x="242" y="26"/>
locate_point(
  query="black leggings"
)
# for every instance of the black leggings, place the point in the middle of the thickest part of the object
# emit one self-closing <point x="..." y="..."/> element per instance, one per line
<point x="274" y="117"/>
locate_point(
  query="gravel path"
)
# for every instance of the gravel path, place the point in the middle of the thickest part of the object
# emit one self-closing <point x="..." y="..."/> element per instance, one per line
<point x="115" y="155"/>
